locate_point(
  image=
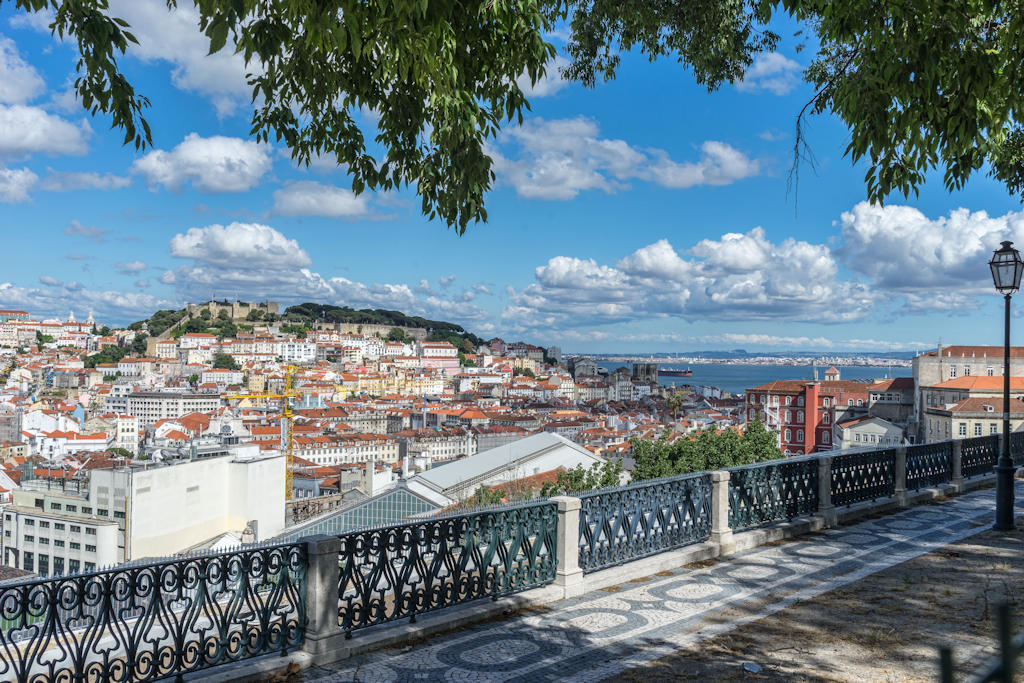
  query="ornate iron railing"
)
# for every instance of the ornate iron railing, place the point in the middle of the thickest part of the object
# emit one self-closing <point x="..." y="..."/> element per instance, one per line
<point x="148" y="621"/>
<point x="858" y="477"/>
<point x="929" y="465"/>
<point x="776" y="490"/>
<point x="407" y="569"/>
<point x="625" y="523"/>
<point x="978" y="456"/>
<point x="1017" y="447"/>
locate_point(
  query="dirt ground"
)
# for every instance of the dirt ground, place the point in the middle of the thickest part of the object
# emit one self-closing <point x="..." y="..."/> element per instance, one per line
<point x="887" y="627"/>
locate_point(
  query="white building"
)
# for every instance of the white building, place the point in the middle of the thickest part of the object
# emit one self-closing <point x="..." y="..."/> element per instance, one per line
<point x="298" y="352"/>
<point x="152" y="406"/>
<point x="125" y="513"/>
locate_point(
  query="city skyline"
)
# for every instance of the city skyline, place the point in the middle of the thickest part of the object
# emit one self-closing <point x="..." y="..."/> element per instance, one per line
<point x="643" y="214"/>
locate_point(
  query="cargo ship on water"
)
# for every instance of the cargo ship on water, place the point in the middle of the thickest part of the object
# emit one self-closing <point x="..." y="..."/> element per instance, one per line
<point x="675" y="373"/>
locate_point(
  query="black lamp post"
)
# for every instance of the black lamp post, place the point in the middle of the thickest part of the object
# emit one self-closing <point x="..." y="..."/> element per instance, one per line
<point x="1006" y="268"/>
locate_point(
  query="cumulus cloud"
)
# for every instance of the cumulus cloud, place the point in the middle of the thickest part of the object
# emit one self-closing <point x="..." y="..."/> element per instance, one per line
<point x="89" y="232"/>
<point x="548" y="84"/>
<point x="19" y="81"/>
<point x="239" y="245"/>
<point x="68" y="181"/>
<point x="50" y="281"/>
<point x="57" y="300"/>
<point x="308" y="198"/>
<point x="16" y="184"/>
<point x="130" y="267"/>
<point x="213" y="164"/>
<point x="446" y="281"/>
<point x="28" y="130"/>
<point x="737" y="277"/>
<point x="773" y="72"/>
<point x="173" y="37"/>
<point x="558" y="159"/>
<point x="936" y="263"/>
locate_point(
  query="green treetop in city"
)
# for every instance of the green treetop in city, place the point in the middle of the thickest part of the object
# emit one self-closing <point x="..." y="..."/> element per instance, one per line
<point x="921" y="84"/>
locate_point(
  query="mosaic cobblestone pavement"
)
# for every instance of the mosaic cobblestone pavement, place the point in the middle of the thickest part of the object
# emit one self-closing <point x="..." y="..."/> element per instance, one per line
<point x="603" y="633"/>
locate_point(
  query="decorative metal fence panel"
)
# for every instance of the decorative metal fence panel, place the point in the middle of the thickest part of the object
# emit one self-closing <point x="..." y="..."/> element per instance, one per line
<point x="929" y="465"/>
<point x="978" y="456"/>
<point x="625" y="523"/>
<point x="858" y="477"/>
<point x="407" y="569"/>
<point x="767" y="492"/>
<point x="1017" y="447"/>
<point x="150" y="621"/>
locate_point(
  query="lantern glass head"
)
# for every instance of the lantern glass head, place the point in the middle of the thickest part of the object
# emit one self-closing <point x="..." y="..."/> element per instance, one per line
<point x="1007" y="268"/>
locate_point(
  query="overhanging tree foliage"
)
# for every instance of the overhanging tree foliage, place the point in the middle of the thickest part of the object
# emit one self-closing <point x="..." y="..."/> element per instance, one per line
<point x="922" y="84"/>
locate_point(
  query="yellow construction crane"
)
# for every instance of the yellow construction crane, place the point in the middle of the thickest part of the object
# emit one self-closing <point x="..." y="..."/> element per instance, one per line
<point x="288" y="418"/>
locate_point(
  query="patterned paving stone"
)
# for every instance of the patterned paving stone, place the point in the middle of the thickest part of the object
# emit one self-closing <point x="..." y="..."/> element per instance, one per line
<point x="601" y="634"/>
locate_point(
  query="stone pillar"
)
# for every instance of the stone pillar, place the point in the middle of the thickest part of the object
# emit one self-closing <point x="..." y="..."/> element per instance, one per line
<point x="826" y="510"/>
<point x="956" y="473"/>
<point x="323" y="631"/>
<point x="569" y="576"/>
<point x="900" y="493"/>
<point x="721" y="532"/>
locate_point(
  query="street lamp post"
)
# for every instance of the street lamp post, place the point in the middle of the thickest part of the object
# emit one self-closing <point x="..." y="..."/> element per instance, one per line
<point x="1006" y="266"/>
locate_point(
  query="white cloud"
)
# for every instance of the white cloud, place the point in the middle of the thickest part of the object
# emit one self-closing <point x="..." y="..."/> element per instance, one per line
<point x="142" y="283"/>
<point x="938" y="263"/>
<point x="37" y="21"/>
<point x="50" y="281"/>
<point x="31" y="130"/>
<point x="15" y="184"/>
<point x="93" y="233"/>
<point x="67" y="181"/>
<point x="239" y="245"/>
<point x="773" y="72"/>
<point x="130" y="267"/>
<point x="213" y="164"/>
<point x="19" y="81"/>
<point x="548" y="84"/>
<point x="558" y="159"/>
<point x="737" y="277"/>
<point x="446" y="281"/>
<point x="58" y="300"/>
<point x="174" y="37"/>
<point x="308" y="198"/>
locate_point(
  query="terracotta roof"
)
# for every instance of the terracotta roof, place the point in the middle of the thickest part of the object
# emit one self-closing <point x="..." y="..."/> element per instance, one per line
<point x="995" y="352"/>
<point x="980" y="383"/>
<point x="978" y="405"/>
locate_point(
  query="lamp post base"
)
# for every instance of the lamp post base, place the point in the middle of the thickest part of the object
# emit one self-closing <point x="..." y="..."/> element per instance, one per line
<point x="1004" y="497"/>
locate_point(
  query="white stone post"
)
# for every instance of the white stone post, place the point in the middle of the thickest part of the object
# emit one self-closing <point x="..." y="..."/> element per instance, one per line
<point x="569" y="576"/>
<point x="323" y="632"/>
<point x="721" y="532"/>
<point x="826" y="510"/>
<point x="956" y="471"/>
<point x="900" y="493"/>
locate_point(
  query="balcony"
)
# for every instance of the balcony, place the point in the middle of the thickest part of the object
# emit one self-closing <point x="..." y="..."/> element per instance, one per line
<point x="617" y="578"/>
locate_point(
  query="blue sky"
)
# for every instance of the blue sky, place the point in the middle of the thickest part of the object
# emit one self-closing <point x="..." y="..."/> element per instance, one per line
<point x="643" y="215"/>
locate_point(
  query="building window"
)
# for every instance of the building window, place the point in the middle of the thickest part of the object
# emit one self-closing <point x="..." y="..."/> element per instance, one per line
<point x="849" y="401"/>
<point x="799" y="435"/>
<point x="90" y="566"/>
<point x="991" y="371"/>
<point x="860" y="401"/>
<point x="71" y="508"/>
<point x="992" y="428"/>
<point x="58" y="566"/>
<point x="789" y="400"/>
<point x="103" y="513"/>
<point x="825" y="437"/>
<point x="30" y="522"/>
<point x="963" y="429"/>
<point x="789" y="435"/>
<point x="826" y="418"/>
<point x="86" y="510"/>
<point x="75" y="546"/>
<point x="44" y="565"/>
<point x="90" y="548"/>
<point x="89" y="531"/>
<point x="28" y="563"/>
<point x="75" y="529"/>
<point x="55" y="506"/>
<point x="57" y="526"/>
<point x="118" y="514"/>
<point x="30" y="538"/>
<point x="952" y="373"/>
<point x="73" y="566"/>
<point x="44" y="540"/>
<point x="977" y="429"/>
<point x="44" y="524"/>
<point x="800" y="416"/>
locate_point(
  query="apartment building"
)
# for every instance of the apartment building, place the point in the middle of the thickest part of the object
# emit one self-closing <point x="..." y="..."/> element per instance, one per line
<point x="152" y="406"/>
<point x="122" y="513"/>
<point x="347" y="449"/>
